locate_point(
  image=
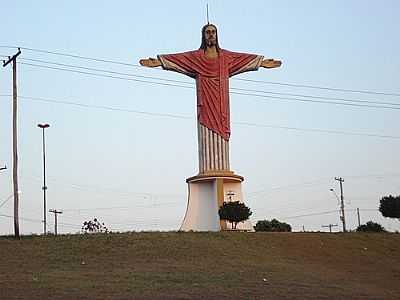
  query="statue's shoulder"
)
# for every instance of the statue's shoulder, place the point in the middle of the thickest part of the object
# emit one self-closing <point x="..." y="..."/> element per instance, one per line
<point x="197" y="52"/>
<point x="226" y="52"/>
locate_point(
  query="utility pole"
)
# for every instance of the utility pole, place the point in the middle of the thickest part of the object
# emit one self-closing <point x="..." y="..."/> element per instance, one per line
<point x="44" y="188"/>
<point x="55" y="218"/>
<point x="358" y="217"/>
<point x="342" y="217"/>
<point x="330" y="226"/>
<point x="13" y="59"/>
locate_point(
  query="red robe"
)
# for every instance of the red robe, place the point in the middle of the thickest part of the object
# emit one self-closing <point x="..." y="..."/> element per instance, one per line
<point x="212" y="82"/>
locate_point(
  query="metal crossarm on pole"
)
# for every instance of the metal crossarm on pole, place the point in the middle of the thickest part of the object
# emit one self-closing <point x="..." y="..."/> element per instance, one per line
<point x="55" y="212"/>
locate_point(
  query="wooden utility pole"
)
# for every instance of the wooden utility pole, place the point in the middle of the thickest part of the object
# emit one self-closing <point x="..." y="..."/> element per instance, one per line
<point x="330" y="226"/>
<point x="13" y="59"/>
<point x="55" y="212"/>
<point x="358" y="217"/>
<point x="342" y="217"/>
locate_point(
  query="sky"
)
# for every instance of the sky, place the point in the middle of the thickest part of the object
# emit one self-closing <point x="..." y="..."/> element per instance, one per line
<point x="122" y="138"/>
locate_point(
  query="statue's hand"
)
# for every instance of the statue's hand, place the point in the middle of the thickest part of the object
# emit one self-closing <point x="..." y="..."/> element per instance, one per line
<point x="271" y="63"/>
<point x="150" y="62"/>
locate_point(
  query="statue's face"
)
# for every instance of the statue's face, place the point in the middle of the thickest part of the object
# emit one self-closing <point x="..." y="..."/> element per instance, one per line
<point x="210" y="35"/>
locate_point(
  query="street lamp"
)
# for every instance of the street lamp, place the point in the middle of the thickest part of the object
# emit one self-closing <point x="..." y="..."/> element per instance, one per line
<point x="44" y="188"/>
<point x="341" y="202"/>
<point x="8" y="198"/>
<point x="336" y="195"/>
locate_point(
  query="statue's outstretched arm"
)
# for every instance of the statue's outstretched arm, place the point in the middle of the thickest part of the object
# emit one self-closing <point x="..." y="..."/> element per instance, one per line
<point x="270" y="63"/>
<point x="150" y="62"/>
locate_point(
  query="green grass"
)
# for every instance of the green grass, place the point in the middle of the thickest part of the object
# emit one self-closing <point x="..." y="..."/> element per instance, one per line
<point x="227" y="265"/>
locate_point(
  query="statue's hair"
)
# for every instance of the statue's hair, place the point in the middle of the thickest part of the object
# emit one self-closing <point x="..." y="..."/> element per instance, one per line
<point x="203" y="37"/>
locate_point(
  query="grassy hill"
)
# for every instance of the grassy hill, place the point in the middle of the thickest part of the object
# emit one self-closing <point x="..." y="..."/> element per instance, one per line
<point x="227" y="265"/>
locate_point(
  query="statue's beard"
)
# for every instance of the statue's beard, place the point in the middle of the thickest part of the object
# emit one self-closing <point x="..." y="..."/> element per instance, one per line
<point x="211" y="43"/>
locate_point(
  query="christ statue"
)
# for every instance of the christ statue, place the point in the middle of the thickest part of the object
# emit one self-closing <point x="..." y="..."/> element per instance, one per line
<point x="211" y="67"/>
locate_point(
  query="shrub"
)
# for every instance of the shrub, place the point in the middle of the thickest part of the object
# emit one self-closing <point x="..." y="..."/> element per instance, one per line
<point x="390" y="206"/>
<point x="371" y="227"/>
<point x="273" y="226"/>
<point x="94" y="227"/>
<point x="234" y="212"/>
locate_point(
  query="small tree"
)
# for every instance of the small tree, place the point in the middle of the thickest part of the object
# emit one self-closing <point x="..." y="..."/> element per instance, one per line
<point x="273" y="226"/>
<point x="390" y="206"/>
<point x="371" y="227"/>
<point x="234" y="212"/>
<point x="94" y="227"/>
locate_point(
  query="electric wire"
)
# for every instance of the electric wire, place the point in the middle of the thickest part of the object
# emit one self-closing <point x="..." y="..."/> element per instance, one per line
<point x="105" y="71"/>
<point x="337" y="132"/>
<point x="174" y="116"/>
<point x="5" y="201"/>
<point x="322" y="87"/>
<point x="73" y="56"/>
<point x="237" y="93"/>
<point x="104" y="75"/>
<point x="239" y="79"/>
<point x="311" y="214"/>
<point x="232" y="88"/>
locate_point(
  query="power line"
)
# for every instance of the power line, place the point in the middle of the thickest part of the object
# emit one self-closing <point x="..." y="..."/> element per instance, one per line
<point x="232" y="88"/>
<point x="192" y="118"/>
<point x="317" y="101"/>
<point x="237" y="93"/>
<point x="238" y="79"/>
<point x="25" y="219"/>
<point x="74" y="56"/>
<point x="5" y="201"/>
<point x="317" y="97"/>
<point x="291" y="186"/>
<point x="104" y="75"/>
<point x="316" y="130"/>
<point x="310" y="215"/>
<point x="138" y="223"/>
<point x="39" y="221"/>
<point x="106" y="71"/>
<point x="107" y="108"/>
<point x="308" y="184"/>
<point x="321" y="87"/>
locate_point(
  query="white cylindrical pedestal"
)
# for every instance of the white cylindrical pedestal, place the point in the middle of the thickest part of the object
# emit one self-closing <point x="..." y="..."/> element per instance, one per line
<point x="207" y="192"/>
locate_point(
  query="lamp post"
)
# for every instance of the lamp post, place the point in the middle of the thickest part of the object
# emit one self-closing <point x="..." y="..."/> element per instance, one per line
<point x="341" y="201"/>
<point x="44" y="188"/>
<point x="8" y="198"/>
<point x="337" y="197"/>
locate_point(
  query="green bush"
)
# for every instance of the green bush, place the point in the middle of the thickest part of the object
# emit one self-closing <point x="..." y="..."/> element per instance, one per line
<point x="273" y="226"/>
<point x="390" y="206"/>
<point x="94" y="226"/>
<point x="234" y="212"/>
<point x="371" y="227"/>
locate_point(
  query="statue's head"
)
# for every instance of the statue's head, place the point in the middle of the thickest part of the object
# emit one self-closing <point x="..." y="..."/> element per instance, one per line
<point x="209" y="36"/>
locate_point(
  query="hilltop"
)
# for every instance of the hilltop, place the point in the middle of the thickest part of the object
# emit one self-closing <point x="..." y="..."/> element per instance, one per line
<point x="226" y="265"/>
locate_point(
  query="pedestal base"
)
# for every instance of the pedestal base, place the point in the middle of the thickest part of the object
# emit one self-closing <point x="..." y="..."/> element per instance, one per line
<point x="207" y="192"/>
